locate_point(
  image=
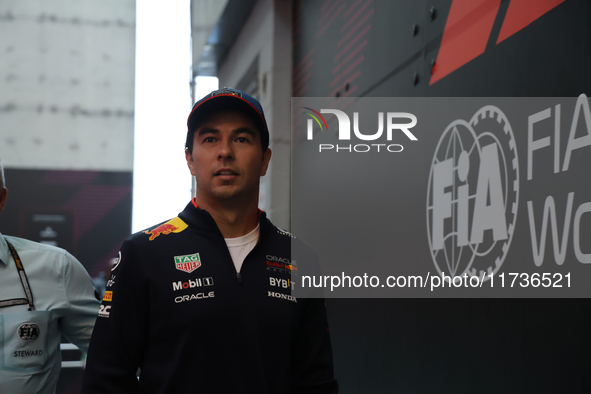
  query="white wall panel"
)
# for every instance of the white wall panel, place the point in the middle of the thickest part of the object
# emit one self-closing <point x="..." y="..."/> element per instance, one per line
<point x="67" y="72"/>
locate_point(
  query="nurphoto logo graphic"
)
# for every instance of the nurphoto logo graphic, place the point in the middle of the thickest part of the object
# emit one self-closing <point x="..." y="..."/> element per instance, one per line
<point x="315" y="115"/>
<point x="395" y="122"/>
<point x="473" y="194"/>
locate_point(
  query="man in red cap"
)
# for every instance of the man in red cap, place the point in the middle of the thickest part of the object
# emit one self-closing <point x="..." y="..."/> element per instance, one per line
<point x="202" y="303"/>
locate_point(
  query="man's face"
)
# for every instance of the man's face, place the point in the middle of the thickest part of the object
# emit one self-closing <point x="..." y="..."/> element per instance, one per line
<point x="227" y="159"/>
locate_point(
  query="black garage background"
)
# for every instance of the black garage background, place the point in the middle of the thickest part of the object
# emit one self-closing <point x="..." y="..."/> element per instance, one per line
<point x="379" y="48"/>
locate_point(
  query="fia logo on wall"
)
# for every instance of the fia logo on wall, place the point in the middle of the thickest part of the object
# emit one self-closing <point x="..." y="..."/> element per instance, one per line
<point x="473" y="195"/>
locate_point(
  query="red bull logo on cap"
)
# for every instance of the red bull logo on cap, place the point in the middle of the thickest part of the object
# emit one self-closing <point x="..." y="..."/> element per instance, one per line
<point x="175" y="225"/>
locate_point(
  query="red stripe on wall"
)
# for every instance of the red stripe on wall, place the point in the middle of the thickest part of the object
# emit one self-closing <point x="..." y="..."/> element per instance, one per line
<point x="466" y="34"/>
<point x="523" y="12"/>
<point x="354" y="29"/>
<point x="351" y="8"/>
<point x="352" y="42"/>
<point x="331" y="20"/>
<point x="354" y="17"/>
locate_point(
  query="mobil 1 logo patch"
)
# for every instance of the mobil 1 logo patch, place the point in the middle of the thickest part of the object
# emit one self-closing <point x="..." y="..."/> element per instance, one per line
<point x="189" y="284"/>
<point x="187" y="263"/>
<point x="472" y="196"/>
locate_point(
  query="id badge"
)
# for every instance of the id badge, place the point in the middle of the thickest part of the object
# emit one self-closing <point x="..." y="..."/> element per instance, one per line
<point x="23" y="340"/>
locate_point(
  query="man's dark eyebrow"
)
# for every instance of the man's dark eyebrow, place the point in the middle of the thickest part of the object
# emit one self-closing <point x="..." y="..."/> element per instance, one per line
<point x="208" y="130"/>
<point x="240" y="130"/>
<point x="246" y="130"/>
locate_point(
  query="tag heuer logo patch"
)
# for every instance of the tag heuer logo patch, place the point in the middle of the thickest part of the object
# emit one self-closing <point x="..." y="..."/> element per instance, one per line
<point x="188" y="263"/>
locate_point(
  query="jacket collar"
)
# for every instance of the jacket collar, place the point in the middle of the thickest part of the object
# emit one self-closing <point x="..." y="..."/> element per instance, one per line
<point x="201" y="220"/>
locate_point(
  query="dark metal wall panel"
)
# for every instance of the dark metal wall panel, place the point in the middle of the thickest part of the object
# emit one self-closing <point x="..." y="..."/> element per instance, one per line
<point x="459" y="345"/>
<point x="547" y="58"/>
<point x="87" y="213"/>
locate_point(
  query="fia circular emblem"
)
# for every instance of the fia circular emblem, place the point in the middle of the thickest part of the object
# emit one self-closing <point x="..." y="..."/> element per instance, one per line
<point x="28" y="332"/>
<point x="473" y="195"/>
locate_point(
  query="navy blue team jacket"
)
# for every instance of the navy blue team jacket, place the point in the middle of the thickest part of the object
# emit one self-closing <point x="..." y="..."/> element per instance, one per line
<point x="176" y="308"/>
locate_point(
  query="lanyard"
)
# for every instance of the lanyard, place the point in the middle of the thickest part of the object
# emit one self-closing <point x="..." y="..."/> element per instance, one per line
<point x="24" y="281"/>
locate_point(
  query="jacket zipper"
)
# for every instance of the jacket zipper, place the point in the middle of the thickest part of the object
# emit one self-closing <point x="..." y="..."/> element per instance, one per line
<point x="249" y="253"/>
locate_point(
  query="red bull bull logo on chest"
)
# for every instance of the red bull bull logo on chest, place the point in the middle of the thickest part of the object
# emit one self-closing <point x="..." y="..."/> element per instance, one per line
<point x="175" y="225"/>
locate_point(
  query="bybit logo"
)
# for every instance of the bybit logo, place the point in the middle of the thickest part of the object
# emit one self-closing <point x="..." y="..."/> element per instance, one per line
<point x="473" y="194"/>
<point x="344" y="132"/>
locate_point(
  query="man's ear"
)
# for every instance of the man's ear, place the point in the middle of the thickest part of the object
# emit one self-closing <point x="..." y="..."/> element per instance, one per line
<point x="3" y="194"/>
<point x="266" y="159"/>
<point x="190" y="162"/>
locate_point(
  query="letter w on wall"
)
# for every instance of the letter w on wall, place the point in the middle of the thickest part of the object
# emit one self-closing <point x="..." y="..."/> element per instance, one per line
<point x="470" y="23"/>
